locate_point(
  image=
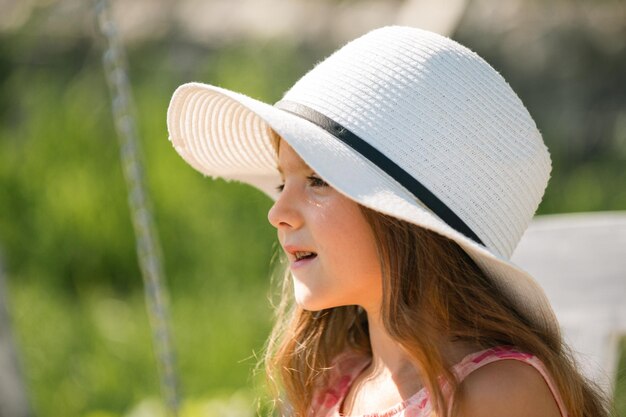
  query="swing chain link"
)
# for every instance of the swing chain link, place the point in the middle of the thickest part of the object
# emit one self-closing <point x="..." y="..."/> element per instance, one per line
<point x="148" y="248"/>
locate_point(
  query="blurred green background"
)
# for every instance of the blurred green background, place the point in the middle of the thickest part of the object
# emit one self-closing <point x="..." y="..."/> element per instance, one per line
<point x="74" y="290"/>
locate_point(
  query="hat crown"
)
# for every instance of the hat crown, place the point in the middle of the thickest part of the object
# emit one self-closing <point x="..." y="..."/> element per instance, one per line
<point x="444" y="115"/>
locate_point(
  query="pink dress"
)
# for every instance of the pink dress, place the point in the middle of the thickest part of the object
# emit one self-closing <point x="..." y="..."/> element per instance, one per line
<point x="327" y="402"/>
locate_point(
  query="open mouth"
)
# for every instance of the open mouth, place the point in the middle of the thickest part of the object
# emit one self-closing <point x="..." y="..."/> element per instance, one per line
<point x="302" y="256"/>
<point x="303" y="259"/>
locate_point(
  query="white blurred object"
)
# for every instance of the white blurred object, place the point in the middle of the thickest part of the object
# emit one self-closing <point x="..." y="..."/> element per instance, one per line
<point x="437" y="16"/>
<point x="223" y="20"/>
<point x="14" y="13"/>
<point x="580" y="260"/>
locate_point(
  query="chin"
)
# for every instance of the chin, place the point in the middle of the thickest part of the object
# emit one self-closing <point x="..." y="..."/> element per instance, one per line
<point x="311" y="302"/>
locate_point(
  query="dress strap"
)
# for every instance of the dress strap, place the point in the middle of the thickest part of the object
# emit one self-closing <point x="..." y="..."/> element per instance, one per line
<point x="478" y="359"/>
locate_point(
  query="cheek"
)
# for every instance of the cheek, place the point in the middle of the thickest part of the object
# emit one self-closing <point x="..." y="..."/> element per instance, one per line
<point x="351" y="245"/>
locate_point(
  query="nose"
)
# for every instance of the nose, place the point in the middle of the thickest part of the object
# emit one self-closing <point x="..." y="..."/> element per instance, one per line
<point x="285" y="213"/>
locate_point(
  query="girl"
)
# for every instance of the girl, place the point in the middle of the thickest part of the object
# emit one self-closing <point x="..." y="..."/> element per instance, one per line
<point x="404" y="170"/>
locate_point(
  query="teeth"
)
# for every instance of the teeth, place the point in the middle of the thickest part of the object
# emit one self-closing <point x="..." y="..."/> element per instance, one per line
<point x="302" y="254"/>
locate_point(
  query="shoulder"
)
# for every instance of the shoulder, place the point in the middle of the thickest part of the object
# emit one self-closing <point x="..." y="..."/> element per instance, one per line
<point x="335" y="382"/>
<point x="506" y="387"/>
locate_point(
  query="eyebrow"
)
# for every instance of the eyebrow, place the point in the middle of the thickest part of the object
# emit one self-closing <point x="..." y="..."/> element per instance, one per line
<point x="307" y="168"/>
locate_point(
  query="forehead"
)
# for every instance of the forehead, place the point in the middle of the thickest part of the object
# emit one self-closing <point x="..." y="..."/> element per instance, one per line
<point x="289" y="160"/>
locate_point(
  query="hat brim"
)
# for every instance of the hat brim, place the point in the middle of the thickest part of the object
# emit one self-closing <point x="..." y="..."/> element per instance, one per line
<point x="226" y="134"/>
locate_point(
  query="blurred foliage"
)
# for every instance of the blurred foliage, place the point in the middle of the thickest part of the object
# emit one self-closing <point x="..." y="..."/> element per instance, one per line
<point x="76" y="297"/>
<point x="62" y="188"/>
<point x="93" y="351"/>
<point x="69" y="246"/>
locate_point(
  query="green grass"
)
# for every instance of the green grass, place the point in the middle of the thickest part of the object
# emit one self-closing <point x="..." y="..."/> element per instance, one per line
<point x="93" y="352"/>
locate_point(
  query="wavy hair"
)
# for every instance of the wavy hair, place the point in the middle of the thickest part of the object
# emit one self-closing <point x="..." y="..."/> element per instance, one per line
<point x="427" y="279"/>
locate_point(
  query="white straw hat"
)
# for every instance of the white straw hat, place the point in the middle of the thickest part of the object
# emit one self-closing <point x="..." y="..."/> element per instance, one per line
<point x="403" y="121"/>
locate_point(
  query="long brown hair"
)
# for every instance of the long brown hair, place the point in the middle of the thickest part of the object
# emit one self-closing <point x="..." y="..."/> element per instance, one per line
<point x="427" y="279"/>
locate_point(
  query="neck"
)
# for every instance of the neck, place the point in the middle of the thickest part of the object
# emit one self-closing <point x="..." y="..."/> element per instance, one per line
<point x="388" y="357"/>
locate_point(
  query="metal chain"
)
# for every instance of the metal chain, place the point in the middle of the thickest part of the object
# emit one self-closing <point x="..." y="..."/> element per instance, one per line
<point x="147" y="243"/>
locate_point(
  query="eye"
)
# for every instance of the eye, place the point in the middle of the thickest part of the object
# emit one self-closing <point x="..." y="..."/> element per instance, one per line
<point x="315" y="182"/>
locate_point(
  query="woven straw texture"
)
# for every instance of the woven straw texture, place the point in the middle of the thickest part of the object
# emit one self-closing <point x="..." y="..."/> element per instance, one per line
<point x="433" y="106"/>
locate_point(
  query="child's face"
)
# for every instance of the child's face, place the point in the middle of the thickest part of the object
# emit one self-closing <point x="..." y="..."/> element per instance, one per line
<point x="312" y="216"/>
